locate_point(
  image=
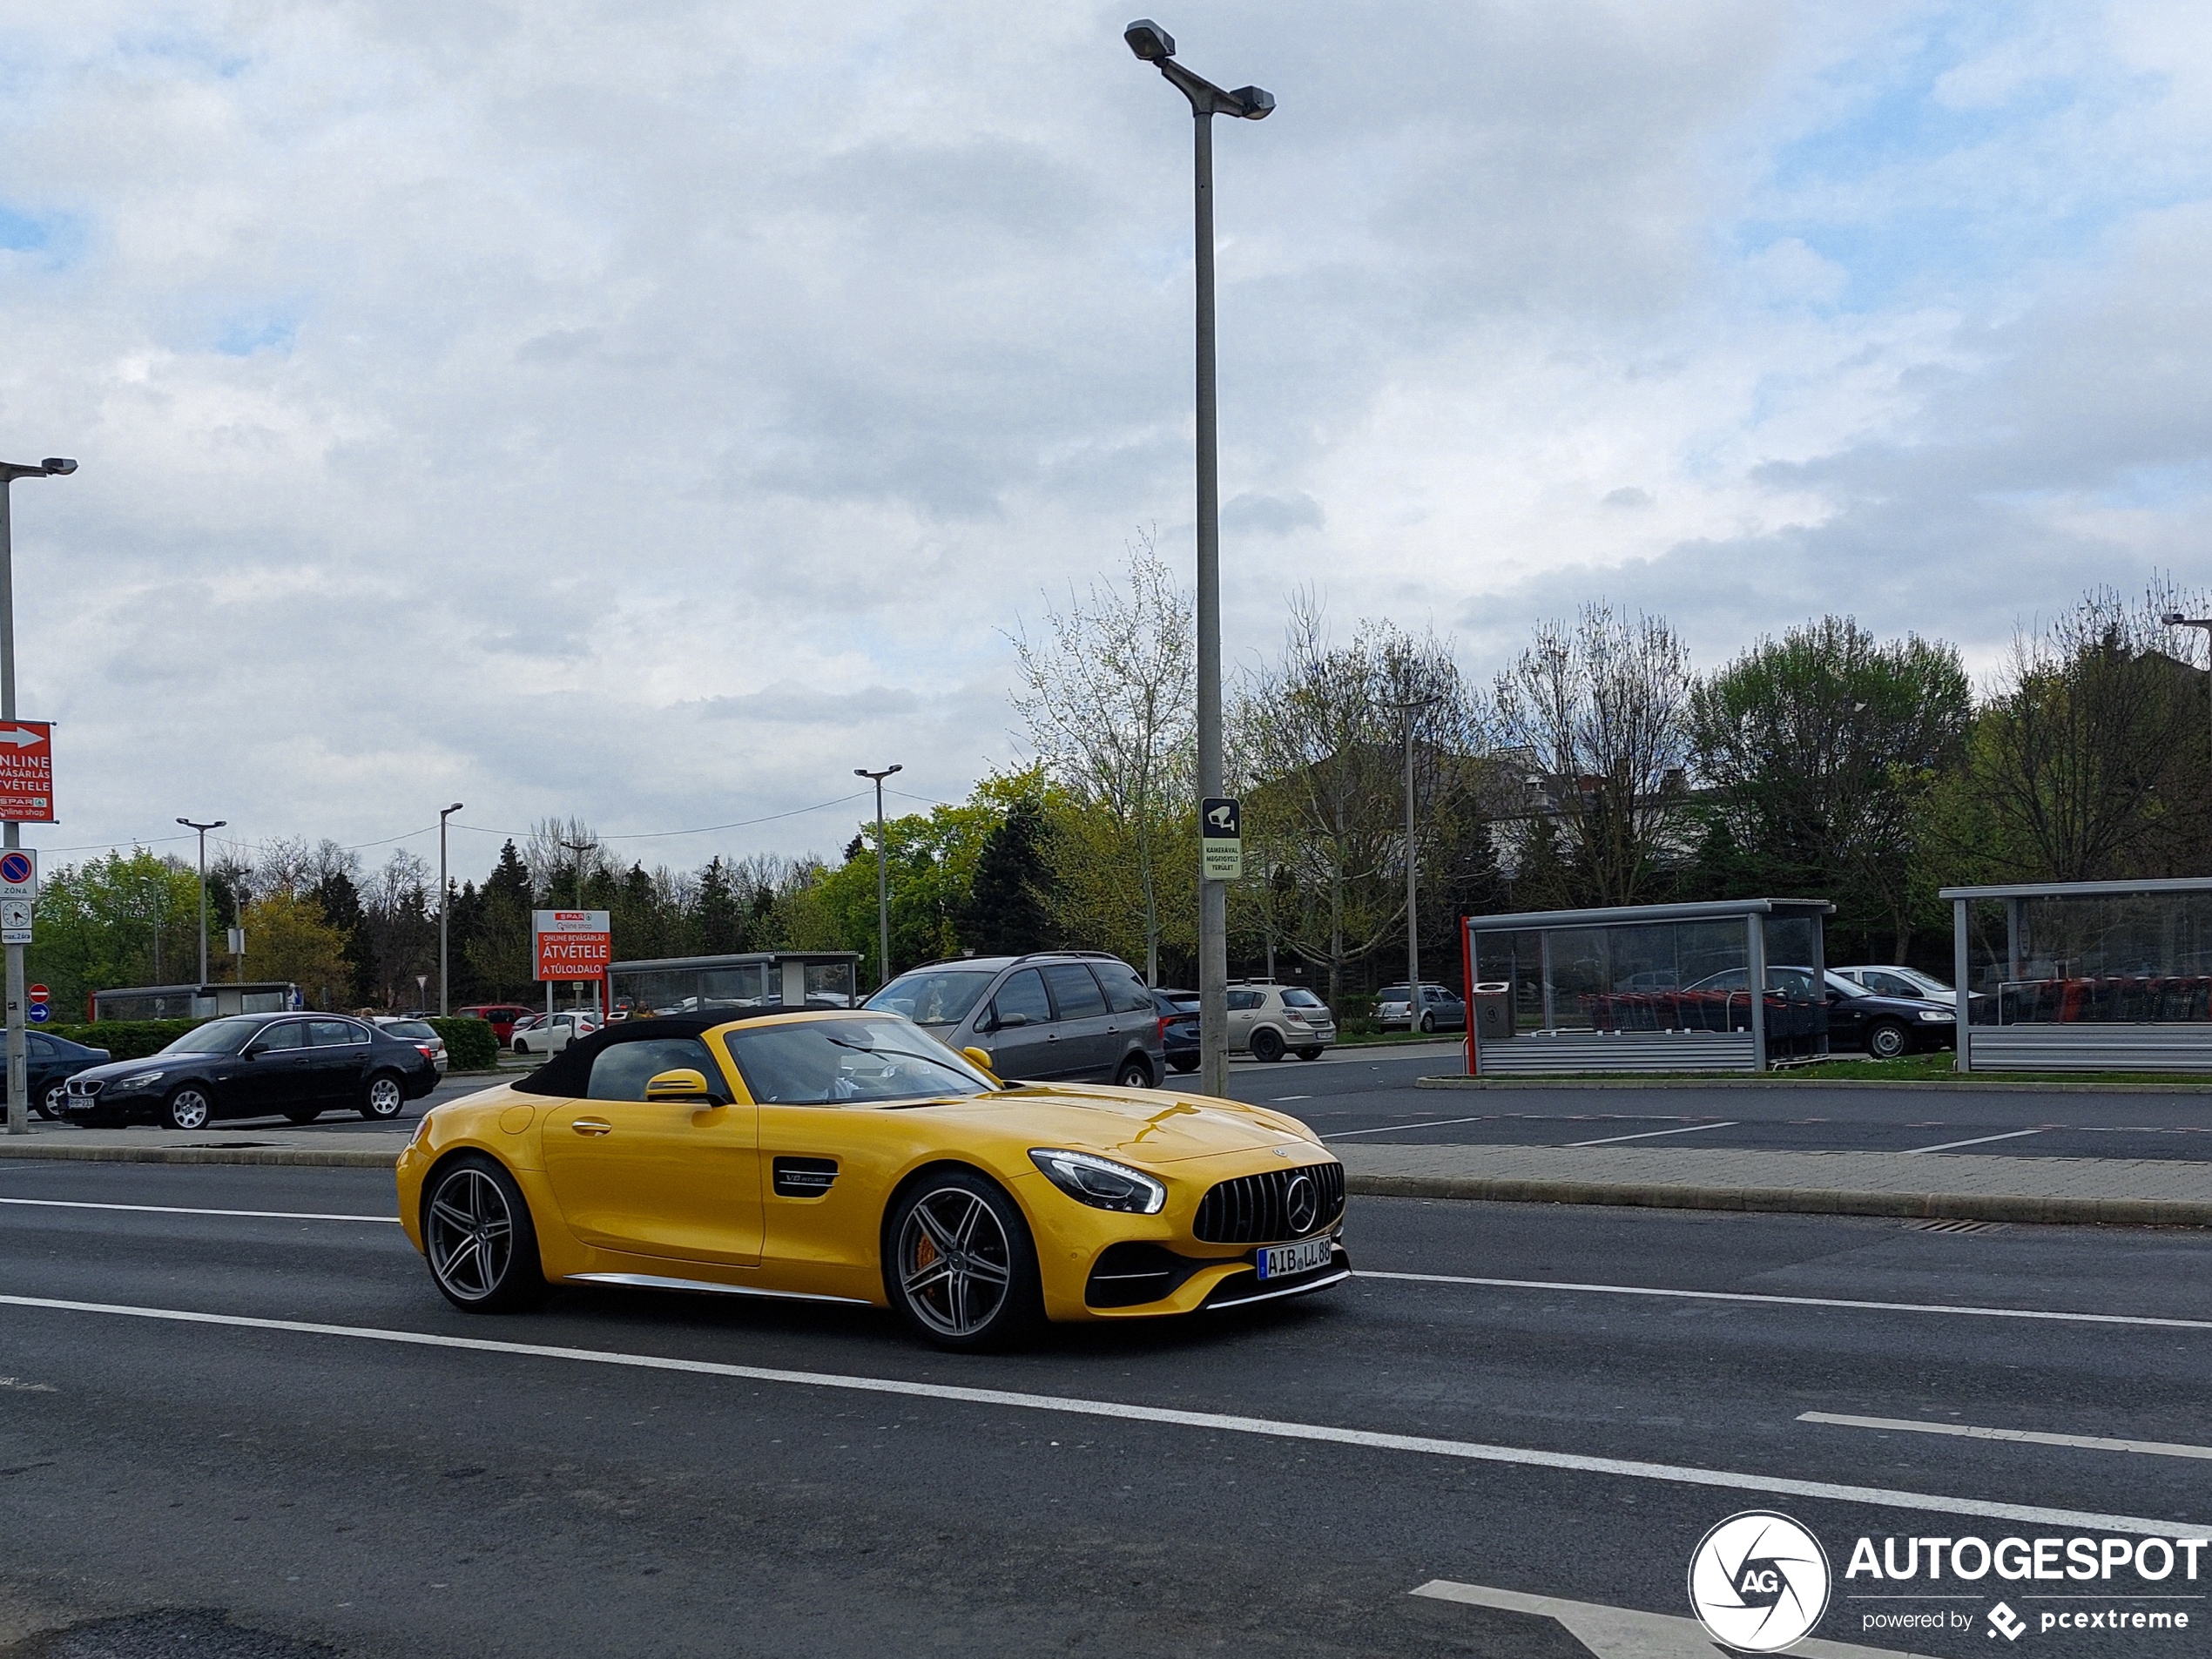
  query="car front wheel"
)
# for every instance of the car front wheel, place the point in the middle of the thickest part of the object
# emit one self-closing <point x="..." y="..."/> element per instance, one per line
<point x="960" y="1267"/>
<point x="187" y="1108"/>
<point x="1887" y="1041"/>
<point x="1266" y="1045"/>
<point x="50" y="1103"/>
<point x="384" y="1098"/>
<point x="476" y="1232"/>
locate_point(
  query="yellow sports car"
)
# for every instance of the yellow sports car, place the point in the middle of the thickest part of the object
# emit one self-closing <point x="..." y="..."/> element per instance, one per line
<point x="850" y="1157"/>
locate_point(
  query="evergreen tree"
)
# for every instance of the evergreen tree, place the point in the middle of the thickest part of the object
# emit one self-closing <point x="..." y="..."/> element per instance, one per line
<point x="720" y="919"/>
<point x="510" y="879"/>
<point x="1006" y="910"/>
<point x="339" y="900"/>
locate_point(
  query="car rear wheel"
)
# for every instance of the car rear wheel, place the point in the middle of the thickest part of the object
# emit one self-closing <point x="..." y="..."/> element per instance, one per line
<point x="1428" y="1022"/>
<point x="384" y="1098"/>
<point x="50" y="1103"/>
<point x="1135" y="1072"/>
<point x="960" y="1269"/>
<point x="187" y="1108"/>
<point x="1887" y="1040"/>
<point x="1266" y="1045"/>
<point x="1309" y="1054"/>
<point x="477" y="1234"/>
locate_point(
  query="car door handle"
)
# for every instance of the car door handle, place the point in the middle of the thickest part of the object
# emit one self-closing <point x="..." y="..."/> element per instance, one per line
<point x="592" y="1126"/>
<point x="1052" y="1036"/>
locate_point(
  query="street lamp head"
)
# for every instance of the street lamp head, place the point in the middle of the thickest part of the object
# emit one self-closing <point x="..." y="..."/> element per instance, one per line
<point x="58" y="465"/>
<point x="454" y="808"/>
<point x="1258" y="103"/>
<point x="2173" y="619"/>
<point x="1148" y="41"/>
<point x="895" y="769"/>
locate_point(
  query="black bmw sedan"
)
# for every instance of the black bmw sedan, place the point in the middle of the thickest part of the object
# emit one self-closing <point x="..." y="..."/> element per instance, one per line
<point x="256" y="1065"/>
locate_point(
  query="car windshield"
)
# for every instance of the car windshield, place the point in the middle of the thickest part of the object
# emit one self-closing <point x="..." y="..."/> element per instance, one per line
<point x="217" y="1036"/>
<point x="934" y="996"/>
<point x="825" y="1062"/>
<point x="1298" y="997"/>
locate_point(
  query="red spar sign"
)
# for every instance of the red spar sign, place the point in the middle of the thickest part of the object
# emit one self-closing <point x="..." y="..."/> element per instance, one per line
<point x="26" y="771"/>
<point x="572" y="944"/>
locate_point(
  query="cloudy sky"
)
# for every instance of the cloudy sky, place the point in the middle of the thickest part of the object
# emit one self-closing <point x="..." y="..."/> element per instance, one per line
<point x="650" y="412"/>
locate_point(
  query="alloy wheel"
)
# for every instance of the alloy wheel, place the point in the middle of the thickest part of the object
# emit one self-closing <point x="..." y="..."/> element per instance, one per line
<point x="385" y="1097"/>
<point x="955" y="1264"/>
<point x="57" y="1099"/>
<point x="471" y="1235"/>
<point x="188" y="1109"/>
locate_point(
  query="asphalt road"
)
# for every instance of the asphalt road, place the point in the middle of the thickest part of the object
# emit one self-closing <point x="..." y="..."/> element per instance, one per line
<point x="347" y="1477"/>
<point x="1369" y="1094"/>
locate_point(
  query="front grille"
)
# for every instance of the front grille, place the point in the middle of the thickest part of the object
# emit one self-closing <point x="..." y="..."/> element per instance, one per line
<point x="1255" y="1209"/>
<point x="85" y="1085"/>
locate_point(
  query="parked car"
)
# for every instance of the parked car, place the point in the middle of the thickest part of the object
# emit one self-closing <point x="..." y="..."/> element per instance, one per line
<point x="1885" y="1027"/>
<point x="1080" y="1015"/>
<point x="48" y="1063"/>
<point x="1178" y="1028"/>
<point x="1442" y="1009"/>
<point x="256" y="1065"/>
<point x="415" y="1029"/>
<point x="1268" y="1020"/>
<point x="1886" y="979"/>
<point x="550" y="1033"/>
<point x="500" y="1016"/>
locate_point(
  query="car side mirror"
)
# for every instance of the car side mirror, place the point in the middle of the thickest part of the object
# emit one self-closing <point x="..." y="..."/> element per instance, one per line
<point x="684" y="1082"/>
<point x="981" y="1059"/>
<point x="255" y="1050"/>
<point x="1835" y="995"/>
<point x="1010" y="1020"/>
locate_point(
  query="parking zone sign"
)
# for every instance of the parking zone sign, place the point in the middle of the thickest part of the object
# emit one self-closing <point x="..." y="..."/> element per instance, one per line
<point x="572" y="944"/>
<point x="18" y="893"/>
<point x="26" y="771"/>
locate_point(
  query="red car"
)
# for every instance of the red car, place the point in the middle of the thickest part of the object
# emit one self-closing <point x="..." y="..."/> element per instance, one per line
<point x="500" y="1016"/>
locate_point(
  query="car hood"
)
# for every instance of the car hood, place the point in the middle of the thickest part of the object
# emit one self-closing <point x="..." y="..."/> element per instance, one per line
<point x="115" y="1068"/>
<point x="1137" y="1126"/>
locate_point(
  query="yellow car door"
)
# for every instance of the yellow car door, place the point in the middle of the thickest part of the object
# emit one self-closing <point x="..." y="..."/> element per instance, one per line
<point x="674" y="1178"/>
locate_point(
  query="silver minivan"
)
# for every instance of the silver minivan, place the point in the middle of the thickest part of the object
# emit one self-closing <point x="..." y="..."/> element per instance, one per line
<point x="1072" y="1016"/>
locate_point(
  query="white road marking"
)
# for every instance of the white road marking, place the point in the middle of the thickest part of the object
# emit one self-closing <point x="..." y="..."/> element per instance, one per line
<point x="1221" y="1422"/>
<point x="1433" y="1122"/>
<point x="1649" y="1134"/>
<point x="1980" y="1140"/>
<point x="1624" y="1633"/>
<point x="1794" y="1301"/>
<point x="1282" y="1100"/>
<point x="179" y="1210"/>
<point x="1969" y="1431"/>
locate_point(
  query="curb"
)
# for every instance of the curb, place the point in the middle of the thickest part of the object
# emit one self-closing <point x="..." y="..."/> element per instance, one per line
<point x="1961" y="1085"/>
<point x="1802" y="1200"/>
<point x="308" y="1157"/>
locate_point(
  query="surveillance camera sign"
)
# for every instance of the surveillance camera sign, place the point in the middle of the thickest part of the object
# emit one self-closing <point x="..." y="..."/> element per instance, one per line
<point x="1221" y="839"/>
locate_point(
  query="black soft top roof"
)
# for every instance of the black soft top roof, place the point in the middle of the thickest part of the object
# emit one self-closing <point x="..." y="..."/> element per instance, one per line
<point x="568" y="1073"/>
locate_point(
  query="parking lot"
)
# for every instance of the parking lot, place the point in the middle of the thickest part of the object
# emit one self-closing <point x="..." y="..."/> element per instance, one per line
<point x="234" y="1398"/>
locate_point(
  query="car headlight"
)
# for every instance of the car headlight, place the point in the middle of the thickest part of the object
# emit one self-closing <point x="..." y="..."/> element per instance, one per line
<point x="140" y="1080"/>
<point x="1940" y="1016"/>
<point x="1100" y="1182"/>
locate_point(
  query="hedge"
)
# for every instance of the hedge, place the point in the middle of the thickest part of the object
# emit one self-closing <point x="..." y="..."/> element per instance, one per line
<point x="471" y="1045"/>
<point x="125" y="1039"/>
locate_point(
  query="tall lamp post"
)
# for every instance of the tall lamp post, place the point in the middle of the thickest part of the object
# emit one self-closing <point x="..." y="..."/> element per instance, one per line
<point x="444" y="904"/>
<point x="53" y="467"/>
<point x="882" y="879"/>
<point x="203" y="829"/>
<point x="1409" y="709"/>
<point x="579" y="848"/>
<point x="1154" y="46"/>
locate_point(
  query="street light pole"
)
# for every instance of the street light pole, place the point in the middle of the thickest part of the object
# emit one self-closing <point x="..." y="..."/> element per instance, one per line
<point x="444" y="904"/>
<point x="882" y="878"/>
<point x="53" y="467"/>
<point x="1154" y="46"/>
<point x="203" y="829"/>
<point x="579" y="848"/>
<point x="1412" y="872"/>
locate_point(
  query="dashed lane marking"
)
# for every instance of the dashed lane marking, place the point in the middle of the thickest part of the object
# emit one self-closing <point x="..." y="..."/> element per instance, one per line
<point x="1624" y="1633"/>
<point x="181" y="1209"/>
<point x="1979" y="1140"/>
<point x="1973" y="1432"/>
<point x="1220" y="1422"/>
<point x="1653" y="1133"/>
<point x="1794" y="1301"/>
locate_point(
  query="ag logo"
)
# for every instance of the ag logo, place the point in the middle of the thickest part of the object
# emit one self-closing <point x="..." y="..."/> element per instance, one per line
<point x="1758" y="1581"/>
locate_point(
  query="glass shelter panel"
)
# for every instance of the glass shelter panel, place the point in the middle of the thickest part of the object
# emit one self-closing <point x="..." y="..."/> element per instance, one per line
<point x="2128" y="959"/>
<point x="748" y="985"/>
<point x="1796" y="999"/>
<point x="1514" y="961"/>
<point x="829" y="985"/>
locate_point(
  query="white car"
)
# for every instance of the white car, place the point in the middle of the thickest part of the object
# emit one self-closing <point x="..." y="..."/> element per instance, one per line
<point x="550" y="1033"/>
<point x="420" y="1033"/>
<point x="1268" y="1022"/>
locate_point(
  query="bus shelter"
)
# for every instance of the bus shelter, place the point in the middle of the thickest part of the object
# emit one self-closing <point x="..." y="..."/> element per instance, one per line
<point x="194" y="1002"/>
<point x="1646" y="988"/>
<point x="766" y="979"/>
<point x="2084" y="975"/>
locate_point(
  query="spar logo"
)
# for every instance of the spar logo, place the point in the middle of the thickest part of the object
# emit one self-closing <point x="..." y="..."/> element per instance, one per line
<point x="1758" y="1581"/>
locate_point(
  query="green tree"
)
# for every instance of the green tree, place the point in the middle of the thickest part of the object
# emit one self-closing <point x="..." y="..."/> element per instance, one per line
<point x="1008" y="910"/>
<point x="122" y="918"/>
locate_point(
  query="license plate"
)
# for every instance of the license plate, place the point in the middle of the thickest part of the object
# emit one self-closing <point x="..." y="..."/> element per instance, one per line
<point x="1282" y="1261"/>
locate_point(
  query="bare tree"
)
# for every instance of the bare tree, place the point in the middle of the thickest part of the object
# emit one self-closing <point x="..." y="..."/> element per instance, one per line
<point x="1318" y="745"/>
<point x="549" y="850"/>
<point x="1601" y="708"/>
<point x="1108" y="694"/>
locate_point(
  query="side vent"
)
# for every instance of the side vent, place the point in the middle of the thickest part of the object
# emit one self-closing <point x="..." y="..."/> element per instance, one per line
<point x="804" y="1178"/>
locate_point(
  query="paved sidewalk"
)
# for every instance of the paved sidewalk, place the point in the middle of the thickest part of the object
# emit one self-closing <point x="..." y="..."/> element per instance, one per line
<point x="367" y="1150"/>
<point x="2131" y="1191"/>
